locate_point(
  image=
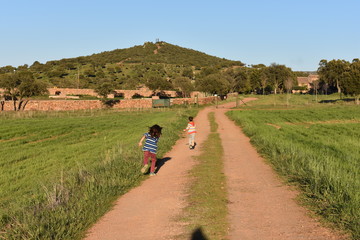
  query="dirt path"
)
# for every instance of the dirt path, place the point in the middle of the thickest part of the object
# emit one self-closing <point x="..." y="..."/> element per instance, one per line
<point x="261" y="207"/>
<point x="148" y="212"/>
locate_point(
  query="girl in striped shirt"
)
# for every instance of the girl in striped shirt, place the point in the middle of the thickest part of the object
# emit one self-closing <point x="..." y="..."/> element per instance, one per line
<point x="150" y="148"/>
<point x="191" y="130"/>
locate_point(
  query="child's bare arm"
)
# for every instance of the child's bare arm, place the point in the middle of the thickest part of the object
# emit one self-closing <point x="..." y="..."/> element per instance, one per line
<point x="141" y="140"/>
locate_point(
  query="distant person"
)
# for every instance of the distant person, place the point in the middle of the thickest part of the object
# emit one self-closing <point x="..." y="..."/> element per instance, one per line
<point x="150" y="148"/>
<point x="191" y="130"/>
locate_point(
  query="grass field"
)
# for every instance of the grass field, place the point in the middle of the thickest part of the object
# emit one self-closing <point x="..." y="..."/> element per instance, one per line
<point x="60" y="171"/>
<point x="316" y="146"/>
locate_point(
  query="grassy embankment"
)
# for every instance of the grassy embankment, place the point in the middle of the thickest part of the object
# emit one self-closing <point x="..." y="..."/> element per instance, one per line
<point x="316" y="146"/>
<point x="60" y="171"/>
<point x="206" y="214"/>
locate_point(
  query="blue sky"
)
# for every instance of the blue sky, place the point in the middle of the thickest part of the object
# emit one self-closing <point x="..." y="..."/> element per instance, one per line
<point x="297" y="33"/>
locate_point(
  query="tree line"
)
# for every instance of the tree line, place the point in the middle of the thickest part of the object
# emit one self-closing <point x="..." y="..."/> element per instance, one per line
<point x="25" y="81"/>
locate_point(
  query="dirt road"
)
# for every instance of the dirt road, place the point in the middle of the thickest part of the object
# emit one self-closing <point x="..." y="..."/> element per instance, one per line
<point x="260" y="207"/>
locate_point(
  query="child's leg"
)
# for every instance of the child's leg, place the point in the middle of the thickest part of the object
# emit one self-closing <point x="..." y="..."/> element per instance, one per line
<point x="153" y="162"/>
<point x="146" y="157"/>
<point x="192" y="139"/>
<point x="145" y="168"/>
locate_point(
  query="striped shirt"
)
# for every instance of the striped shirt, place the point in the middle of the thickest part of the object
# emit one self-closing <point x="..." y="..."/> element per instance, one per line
<point x="150" y="143"/>
<point x="191" y="128"/>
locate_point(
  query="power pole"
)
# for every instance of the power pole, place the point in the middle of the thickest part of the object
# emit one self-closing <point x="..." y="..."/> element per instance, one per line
<point x="78" y="78"/>
<point x="237" y="100"/>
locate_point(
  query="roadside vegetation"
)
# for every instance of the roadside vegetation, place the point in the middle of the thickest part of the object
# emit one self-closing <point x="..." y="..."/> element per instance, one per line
<point x="60" y="171"/>
<point x="206" y="213"/>
<point x="315" y="146"/>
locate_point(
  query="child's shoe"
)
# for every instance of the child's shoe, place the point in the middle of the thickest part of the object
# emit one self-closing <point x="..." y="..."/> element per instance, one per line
<point x="152" y="174"/>
<point x="145" y="168"/>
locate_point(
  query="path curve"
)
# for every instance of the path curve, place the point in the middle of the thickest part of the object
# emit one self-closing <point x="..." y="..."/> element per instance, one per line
<point x="260" y="208"/>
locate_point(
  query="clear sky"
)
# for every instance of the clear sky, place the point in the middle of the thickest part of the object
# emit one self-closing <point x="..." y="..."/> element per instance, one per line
<point x="297" y="33"/>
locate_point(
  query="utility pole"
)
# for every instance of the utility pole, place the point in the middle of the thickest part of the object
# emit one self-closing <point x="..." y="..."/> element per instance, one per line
<point x="78" y="77"/>
<point x="237" y="100"/>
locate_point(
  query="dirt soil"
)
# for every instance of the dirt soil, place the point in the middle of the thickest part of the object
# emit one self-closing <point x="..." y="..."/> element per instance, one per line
<point x="260" y="206"/>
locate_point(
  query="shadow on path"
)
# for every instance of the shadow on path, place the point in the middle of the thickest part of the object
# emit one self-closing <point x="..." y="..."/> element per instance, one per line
<point x="198" y="235"/>
<point x="161" y="162"/>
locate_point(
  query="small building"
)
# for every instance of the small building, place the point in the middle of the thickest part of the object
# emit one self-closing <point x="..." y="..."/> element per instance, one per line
<point x="306" y="82"/>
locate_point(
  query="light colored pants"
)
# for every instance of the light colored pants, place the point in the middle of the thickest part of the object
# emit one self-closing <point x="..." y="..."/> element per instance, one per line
<point x="192" y="139"/>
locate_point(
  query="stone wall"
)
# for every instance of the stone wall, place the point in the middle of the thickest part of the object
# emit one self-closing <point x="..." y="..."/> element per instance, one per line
<point x="66" y="105"/>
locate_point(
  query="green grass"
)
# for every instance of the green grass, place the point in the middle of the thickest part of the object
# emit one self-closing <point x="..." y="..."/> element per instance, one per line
<point x="295" y="101"/>
<point x="61" y="171"/>
<point x="316" y="147"/>
<point x="207" y="211"/>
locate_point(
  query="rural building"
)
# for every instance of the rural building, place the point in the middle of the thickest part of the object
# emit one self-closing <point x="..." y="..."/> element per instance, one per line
<point x="306" y="82"/>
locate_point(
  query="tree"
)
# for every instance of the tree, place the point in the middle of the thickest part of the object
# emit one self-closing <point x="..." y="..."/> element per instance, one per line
<point x="7" y="69"/>
<point x="258" y="66"/>
<point x="20" y="86"/>
<point x="214" y="84"/>
<point x="315" y="87"/>
<point x="184" y="85"/>
<point x="242" y="80"/>
<point x="277" y="75"/>
<point x="331" y="72"/>
<point x="258" y="79"/>
<point x="188" y="72"/>
<point x="288" y="84"/>
<point x="351" y="80"/>
<point x="263" y="81"/>
<point x="238" y="78"/>
<point x="156" y="83"/>
<point x="104" y="89"/>
<point x="206" y="71"/>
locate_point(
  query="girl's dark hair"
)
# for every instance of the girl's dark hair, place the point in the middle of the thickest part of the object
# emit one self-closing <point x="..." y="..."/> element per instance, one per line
<point x="191" y="118"/>
<point x="155" y="131"/>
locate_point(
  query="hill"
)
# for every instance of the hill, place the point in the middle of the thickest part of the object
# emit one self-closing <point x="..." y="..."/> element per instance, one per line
<point x="160" y="52"/>
<point x="151" y="63"/>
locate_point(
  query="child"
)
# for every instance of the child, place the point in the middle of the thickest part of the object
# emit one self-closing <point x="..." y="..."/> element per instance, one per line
<point x="191" y="130"/>
<point x="150" y="148"/>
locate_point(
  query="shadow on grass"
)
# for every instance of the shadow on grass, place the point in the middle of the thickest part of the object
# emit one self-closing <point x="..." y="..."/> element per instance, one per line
<point x="161" y="162"/>
<point x="198" y="235"/>
<point x="338" y="100"/>
<point x="110" y="102"/>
